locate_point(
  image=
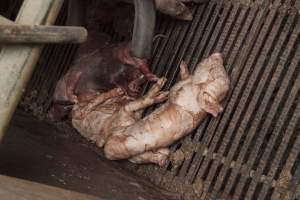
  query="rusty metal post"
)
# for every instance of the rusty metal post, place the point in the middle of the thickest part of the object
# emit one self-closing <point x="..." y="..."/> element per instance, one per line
<point x="17" y="62"/>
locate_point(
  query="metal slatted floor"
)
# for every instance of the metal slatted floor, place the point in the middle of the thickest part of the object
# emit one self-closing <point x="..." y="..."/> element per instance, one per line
<point x="250" y="151"/>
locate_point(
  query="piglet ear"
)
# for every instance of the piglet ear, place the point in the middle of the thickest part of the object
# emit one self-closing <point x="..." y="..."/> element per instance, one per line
<point x="184" y="71"/>
<point x="209" y="104"/>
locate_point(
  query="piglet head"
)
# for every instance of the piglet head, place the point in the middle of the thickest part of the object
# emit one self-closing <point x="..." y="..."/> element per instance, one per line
<point x="142" y="64"/>
<point x="211" y="78"/>
<point x="135" y="79"/>
<point x="130" y="81"/>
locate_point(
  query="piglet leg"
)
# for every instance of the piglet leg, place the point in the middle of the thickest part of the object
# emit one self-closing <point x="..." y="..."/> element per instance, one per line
<point x="79" y="113"/>
<point x="153" y="96"/>
<point x="184" y="71"/>
<point x="143" y="65"/>
<point x="139" y="63"/>
<point x="71" y="82"/>
<point x="64" y="97"/>
<point x="158" y="157"/>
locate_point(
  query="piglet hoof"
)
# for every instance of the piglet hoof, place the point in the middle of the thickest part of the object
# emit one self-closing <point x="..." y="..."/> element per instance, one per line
<point x="154" y="90"/>
<point x="162" y="96"/>
<point x="162" y="156"/>
<point x="58" y="113"/>
<point x="158" y="85"/>
<point x="151" y="77"/>
<point x="51" y="116"/>
<point x="100" y="143"/>
<point x="74" y="99"/>
<point x="186" y="15"/>
<point x="161" y="82"/>
<point x="162" y="162"/>
<point x="130" y="91"/>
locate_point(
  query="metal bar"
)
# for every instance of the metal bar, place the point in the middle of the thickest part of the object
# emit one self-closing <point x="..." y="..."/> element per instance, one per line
<point x="276" y="102"/>
<point x="47" y="54"/>
<point x="176" y="50"/>
<point x="232" y="138"/>
<point x="194" y="40"/>
<point x="188" y="37"/>
<point x="218" y="31"/>
<point x="191" y="41"/>
<point x="176" y="43"/>
<point x="276" y="53"/>
<point x="241" y="130"/>
<point x="65" y="66"/>
<point x="209" y="27"/>
<point x="208" y="13"/>
<point x="239" y="40"/>
<point x="32" y="34"/>
<point x="234" y="78"/>
<point x="160" y="50"/>
<point x="17" y="62"/>
<point x="291" y="128"/>
<point x="257" y="37"/>
<point x="289" y="132"/>
<point x="169" y="49"/>
<point x="207" y="34"/>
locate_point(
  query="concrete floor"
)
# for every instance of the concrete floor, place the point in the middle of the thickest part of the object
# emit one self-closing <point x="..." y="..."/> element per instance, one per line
<point x="39" y="152"/>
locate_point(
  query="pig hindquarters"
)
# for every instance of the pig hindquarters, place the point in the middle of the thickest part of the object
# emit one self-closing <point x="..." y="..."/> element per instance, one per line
<point x="109" y="111"/>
